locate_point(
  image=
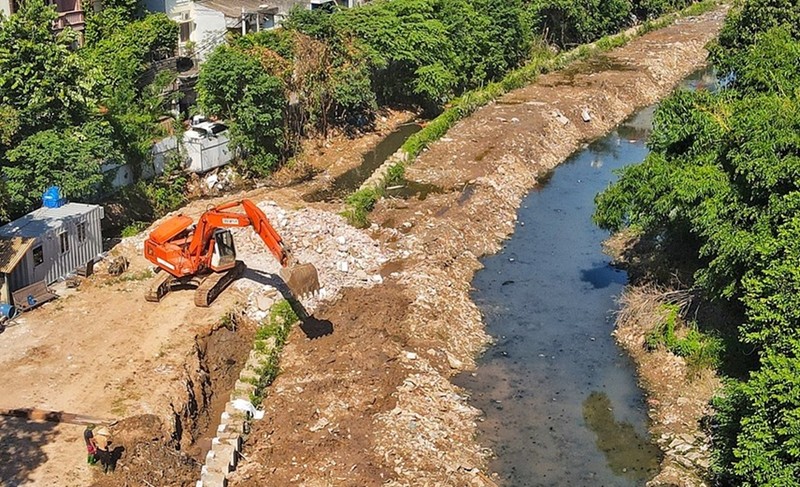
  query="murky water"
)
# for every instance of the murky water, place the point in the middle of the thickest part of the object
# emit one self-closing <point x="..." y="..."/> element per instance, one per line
<point x="408" y="189"/>
<point x="352" y="179"/>
<point x="561" y="402"/>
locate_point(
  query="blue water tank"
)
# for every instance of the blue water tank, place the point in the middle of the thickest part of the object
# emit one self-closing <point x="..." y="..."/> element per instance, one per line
<point x="8" y="310"/>
<point x="52" y="198"/>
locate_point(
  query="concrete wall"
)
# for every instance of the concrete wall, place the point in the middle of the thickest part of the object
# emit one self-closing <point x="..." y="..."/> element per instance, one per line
<point x="206" y="154"/>
<point x="209" y="31"/>
<point x="118" y="175"/>
<point x="160" y="152"/>
<point x="5" y="7"/>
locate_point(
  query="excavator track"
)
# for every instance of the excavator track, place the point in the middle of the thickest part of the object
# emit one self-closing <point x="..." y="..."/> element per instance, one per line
<point x="214" y="284"/>
<point x="160" y="286"/>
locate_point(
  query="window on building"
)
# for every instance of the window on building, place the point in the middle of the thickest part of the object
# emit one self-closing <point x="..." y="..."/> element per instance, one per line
<point x="63" y="237"/>
<point x="186" y="30"/>
<point x="38" y="255"/>
<point x="81" y="231"/>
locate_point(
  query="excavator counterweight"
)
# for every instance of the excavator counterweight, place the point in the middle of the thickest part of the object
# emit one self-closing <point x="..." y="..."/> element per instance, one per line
<point x="203" y="255"/>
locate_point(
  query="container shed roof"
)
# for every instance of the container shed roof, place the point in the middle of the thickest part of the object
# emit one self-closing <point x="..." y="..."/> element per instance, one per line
<point x="41" y="221"/>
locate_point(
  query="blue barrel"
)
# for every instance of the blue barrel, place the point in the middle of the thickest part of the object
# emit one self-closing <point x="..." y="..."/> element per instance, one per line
<point x="8" y="310"/>
<point x="52" y="198"/>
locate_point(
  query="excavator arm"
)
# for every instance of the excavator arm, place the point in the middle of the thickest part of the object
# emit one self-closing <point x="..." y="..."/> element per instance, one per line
<point x="219" y="217"/>
<point x="302" y="279"/>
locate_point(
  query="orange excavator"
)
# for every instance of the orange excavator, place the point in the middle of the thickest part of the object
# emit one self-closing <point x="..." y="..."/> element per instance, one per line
<point x="203" y="255"/>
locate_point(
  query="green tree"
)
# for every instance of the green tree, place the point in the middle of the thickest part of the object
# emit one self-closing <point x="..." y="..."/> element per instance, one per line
<point x="569" y="22"/>
<point x="235" y="87"/>
<point x="771" y="64"/>
<point x="758" y="424"/>
<point x="746" y="21"/>
<point x="42" y="81"/>
<point x="724" y="175"/>
<point x="120" y="67"/>
<point x="69" y="158"/>
<point x="120" y="60"/>
<point x="409" y="48"/>
<point x="650" y="9"/>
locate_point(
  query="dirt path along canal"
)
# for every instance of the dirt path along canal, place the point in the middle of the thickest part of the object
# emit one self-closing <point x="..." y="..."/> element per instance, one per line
<point x="372" y="402"/>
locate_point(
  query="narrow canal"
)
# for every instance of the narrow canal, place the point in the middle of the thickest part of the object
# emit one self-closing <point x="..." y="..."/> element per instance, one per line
<point x="561" y="402"/>
<point x="351" y="180"/>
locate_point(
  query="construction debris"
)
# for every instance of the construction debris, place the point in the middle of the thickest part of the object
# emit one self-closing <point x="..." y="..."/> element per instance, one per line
<point x="343" y="255"/>
<point x="118" y="265"/>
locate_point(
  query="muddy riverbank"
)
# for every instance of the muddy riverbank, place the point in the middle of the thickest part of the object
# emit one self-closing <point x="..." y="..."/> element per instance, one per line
<point x="372" y="403"/>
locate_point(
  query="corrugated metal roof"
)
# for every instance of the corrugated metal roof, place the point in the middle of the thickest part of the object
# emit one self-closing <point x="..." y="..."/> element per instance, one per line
<point x="39" y="222"/>
<point x="12" y="250"/>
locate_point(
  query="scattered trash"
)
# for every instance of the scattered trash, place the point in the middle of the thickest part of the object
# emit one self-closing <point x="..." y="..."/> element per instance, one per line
<point x="118" y="265"/>
<point x="247" y="406"/>
<point x="563" y="120"/>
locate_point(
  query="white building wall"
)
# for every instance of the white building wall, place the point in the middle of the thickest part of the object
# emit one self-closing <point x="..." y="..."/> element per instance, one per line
<point x="209" y="30"/>
<point x="5" y="7"/>
<point x="175" y="7"/>
<point x="203" y="155"/>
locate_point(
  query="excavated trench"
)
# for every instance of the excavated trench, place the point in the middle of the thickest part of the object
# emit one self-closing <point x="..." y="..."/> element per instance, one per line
<point x="350" y="181"/>
<point x="218" y="358"/>
<point x="171" y="451"/>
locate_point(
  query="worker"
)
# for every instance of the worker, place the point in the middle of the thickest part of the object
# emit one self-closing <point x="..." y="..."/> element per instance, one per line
<point x="91" y="446"/>
<point x="102" y="440"/>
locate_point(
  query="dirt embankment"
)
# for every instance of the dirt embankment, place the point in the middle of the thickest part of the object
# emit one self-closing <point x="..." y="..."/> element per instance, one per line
<point x="371" y="403"/>
<point x="368" y="400"/>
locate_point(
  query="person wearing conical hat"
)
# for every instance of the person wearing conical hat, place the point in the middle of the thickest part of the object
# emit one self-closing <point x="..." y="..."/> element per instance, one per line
<point x="102" y="440"/>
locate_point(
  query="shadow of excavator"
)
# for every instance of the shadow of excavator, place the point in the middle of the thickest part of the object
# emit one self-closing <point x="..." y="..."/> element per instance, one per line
<point x="312" y="327"/>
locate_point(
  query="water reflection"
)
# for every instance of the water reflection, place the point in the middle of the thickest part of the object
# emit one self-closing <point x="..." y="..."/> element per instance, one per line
<point x="602" y="275"/>
<point x="547" y="298"/>
<point x="628" y="453"/>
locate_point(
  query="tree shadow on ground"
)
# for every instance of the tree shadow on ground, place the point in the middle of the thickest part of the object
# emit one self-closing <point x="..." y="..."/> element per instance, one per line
<point x="22" y="442"/>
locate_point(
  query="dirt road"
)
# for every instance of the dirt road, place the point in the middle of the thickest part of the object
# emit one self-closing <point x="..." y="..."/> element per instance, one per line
<point x="369" y="403"/>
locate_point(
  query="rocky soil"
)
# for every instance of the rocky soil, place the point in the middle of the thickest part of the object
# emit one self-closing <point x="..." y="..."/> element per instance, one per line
<point x="371" y="403"/>
<point x="678" y="397"/>
<point x="364" y="396"/>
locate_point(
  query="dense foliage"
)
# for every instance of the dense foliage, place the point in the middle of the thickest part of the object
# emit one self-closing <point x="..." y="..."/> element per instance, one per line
<point x="66" y="113"/>
<point x="336" y="66"/>
<point x="722" y="186"/>
<point x="746" y="22"/>
<point x="236" y="87"/>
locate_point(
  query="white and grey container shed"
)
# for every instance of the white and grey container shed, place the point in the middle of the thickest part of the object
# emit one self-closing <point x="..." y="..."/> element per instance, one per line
<point x="48" y="244"/>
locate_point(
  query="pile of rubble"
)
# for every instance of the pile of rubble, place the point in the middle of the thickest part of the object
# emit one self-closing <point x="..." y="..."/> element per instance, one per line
<point x="343" y="255"/>
<point x="424" y="433"/>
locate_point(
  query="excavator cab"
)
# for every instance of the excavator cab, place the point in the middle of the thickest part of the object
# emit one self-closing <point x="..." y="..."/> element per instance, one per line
<point x="223" y="255"/>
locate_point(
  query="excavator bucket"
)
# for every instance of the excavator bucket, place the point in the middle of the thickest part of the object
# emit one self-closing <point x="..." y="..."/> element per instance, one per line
<point x="302" y="279"/>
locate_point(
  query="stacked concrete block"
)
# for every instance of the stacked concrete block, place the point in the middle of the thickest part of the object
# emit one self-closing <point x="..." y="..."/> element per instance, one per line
<point x="378" y="178"/>
<point x="234" y="423"/>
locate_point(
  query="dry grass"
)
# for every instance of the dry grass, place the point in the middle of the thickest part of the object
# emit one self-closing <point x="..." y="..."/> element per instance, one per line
<point x="643" y="308"/>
